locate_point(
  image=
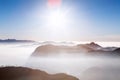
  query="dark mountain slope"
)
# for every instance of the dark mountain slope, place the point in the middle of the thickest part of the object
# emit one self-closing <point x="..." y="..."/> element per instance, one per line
<point x="22" y="73"/>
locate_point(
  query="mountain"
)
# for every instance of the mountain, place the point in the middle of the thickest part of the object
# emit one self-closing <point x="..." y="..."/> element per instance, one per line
<point x="50" y="49"/>
<point x="117" y="50"/>
<point x="93" y="45"/>
<point x="14" y="41"/>
<point x="90" y="48"/>
<point x="23" y="73"/>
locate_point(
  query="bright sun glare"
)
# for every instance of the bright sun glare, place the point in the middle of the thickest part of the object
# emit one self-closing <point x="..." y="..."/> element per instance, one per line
<point x="57" y="23"/>
<point x="57" y="18"/>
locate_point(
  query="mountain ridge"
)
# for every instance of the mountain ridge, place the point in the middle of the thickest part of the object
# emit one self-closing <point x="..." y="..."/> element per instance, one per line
<point x="14" y="41"/>
<point x="89" y="48"/>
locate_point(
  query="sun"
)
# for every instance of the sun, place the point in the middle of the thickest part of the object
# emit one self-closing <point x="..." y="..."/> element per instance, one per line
<point x="56" y="21"/>
<point x="57" y="18"/>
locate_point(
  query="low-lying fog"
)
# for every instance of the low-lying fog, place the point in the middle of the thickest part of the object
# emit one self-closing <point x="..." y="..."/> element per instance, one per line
<point x="82" y="66"/>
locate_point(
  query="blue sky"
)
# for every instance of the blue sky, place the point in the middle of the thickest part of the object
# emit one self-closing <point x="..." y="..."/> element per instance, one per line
<point x="93" y="20"/>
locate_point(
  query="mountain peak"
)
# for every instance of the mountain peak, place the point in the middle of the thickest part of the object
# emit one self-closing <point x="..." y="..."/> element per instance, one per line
<point x="93" y="45"/>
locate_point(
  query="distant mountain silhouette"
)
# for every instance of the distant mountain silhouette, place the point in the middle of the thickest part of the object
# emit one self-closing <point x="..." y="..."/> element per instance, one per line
<point x="14" y="41"/>
<point x="22" y="73"/>
<point x="91" y="48"/>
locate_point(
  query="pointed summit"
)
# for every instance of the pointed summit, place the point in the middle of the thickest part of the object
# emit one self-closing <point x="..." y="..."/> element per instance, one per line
<point x="93" y="45"/>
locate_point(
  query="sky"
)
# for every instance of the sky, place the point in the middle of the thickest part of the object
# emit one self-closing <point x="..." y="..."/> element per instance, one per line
<point x="60" y="20"/>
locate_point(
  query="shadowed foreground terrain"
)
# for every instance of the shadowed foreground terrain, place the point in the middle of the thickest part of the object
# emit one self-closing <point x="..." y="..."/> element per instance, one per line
<point x="22" y="73"/>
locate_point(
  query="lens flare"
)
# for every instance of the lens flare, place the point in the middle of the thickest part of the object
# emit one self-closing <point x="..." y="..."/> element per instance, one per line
<point x="54" y="3"/>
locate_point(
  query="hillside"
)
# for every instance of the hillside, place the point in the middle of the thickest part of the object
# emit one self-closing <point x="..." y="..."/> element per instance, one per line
<point x="23" y="73"/>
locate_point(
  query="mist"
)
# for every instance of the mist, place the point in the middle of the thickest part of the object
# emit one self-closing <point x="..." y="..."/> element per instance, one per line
<point x="82" y="66"/>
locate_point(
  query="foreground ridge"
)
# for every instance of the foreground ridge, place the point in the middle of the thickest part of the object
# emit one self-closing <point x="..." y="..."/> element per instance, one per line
<point x="24" y="73"/>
